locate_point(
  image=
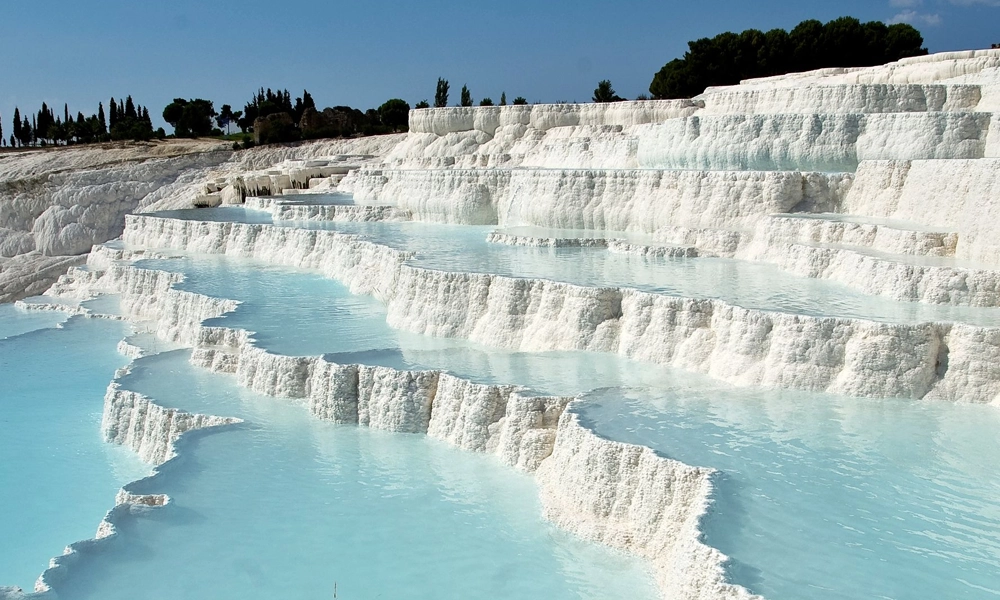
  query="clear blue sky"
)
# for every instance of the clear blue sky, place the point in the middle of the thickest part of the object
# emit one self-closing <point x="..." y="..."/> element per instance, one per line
<point x="361" y="53"/>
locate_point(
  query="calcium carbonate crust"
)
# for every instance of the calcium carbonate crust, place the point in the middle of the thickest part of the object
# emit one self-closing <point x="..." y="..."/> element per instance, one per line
<point x="636" y="501"/>
<point x="746" y="347"/>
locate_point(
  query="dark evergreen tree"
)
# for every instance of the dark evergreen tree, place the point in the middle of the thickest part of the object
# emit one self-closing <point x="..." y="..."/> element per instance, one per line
<point x="190" y="118"/>
<point x="130" y="109"/>
<point x="466" y="96"/>
<point x="520" y="100"/>
<point x="422" y="104"/>
<point x="394" y="114"/>
<point x="729" y="57"/>
<point x="26" y="133"/>
<point x="441" y="94"/>
<point x="486" y="102"/>
<point x="17" y="126"/>
<point x="225" y="117"/>
<point x="605" y="93"/>
<point x="112" y="114"/>
<point x="503" y="98"/>
<point x="102" y="120"/>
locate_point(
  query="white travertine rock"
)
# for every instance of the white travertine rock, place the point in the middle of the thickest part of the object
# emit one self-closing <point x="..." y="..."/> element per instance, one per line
<point x="327" y="212"/>
<point x="957" y="195"/>
<point x="630" y="498"/>
<point x="639" y="201"/>
<point x="835" y="142"/>
<point x="542" y="117"/>
<point x="887" y="236"/>
<point x="746" y="347"/>
<point x="508" y="239"/>
<point x="846" y="98"/>
<point x="149" y="430"/>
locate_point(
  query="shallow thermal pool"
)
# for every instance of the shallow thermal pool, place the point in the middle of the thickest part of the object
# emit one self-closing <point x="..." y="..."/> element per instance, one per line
<point x="826" y="497"/>
<point x="464" y="248"/>
<point x="59" y="477"/>
<point x="816" y="496"/>
<point x="810" y="486"/>
<point x="287" y="506"/>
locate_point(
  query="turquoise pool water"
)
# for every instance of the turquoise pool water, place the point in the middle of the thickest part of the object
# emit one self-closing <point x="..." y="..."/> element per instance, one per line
<point x="810" y="486"/>
<point x="827" y="497"/>
<point x="58" y="476"/>
<point x="750" y="285"/>
<point x="816" y="496"/>
<point x="287" y="506"/>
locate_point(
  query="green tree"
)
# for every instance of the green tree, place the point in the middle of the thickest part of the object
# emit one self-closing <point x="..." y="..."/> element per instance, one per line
<point x="520" y="101"/>
<point x="422" y="104"/>
<point x="441" y="94"/>
<point x="17" y="126"/>
<point x="466" y="96"/>
<point x="486" y="102"/>
<point x="225" y="117"/>
<point x="301" y="104"/>
<point x="190" y="118"/>
<point x="503" y="98"/>
<point x="605" y="93"/>
<point x="101" y="119"/>
<point x="395" y="114"/>
<point x="729" y="57"/>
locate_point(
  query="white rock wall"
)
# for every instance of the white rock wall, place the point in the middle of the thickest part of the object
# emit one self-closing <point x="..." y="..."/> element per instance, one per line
<point x="743" y="346"/>
<point x="617" y="200"/>
<point x="149" y="430"/>
<point x="630" y="498"/>
<point x="960" y="195"/>
<point x="809" y="142"/>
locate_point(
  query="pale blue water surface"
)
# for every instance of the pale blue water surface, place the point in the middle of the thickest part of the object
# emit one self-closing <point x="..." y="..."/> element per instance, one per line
<point x="287" y="506"/>
<point x="57" y="476"/>
<point x="811" y="486"/>
<point x="464" y="248"/>
<point x="816" y="496"/>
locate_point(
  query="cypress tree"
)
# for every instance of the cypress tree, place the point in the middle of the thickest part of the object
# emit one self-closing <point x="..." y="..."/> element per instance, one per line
<point x="441" y="94"/>
<point x="121" y="110"/>
<point x="101" y="119"/>
<point x="112" y="114"/>
<point x="65" y="113"/>
<point x="17" y="125"/>
<point x="130" y="109"/>
<point x="25" y="132"/>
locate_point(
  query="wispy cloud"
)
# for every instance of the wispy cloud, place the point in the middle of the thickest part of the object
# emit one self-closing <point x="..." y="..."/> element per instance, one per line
<point x="905" y="3"/>
<point x="914" y="18"/>
<point x="972" y="2"/>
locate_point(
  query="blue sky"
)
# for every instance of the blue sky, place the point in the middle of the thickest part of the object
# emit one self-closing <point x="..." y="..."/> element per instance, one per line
<point x="362" y="53"/>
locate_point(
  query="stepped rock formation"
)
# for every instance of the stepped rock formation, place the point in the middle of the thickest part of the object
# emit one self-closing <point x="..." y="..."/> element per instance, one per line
<point x="883" y="179"/>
